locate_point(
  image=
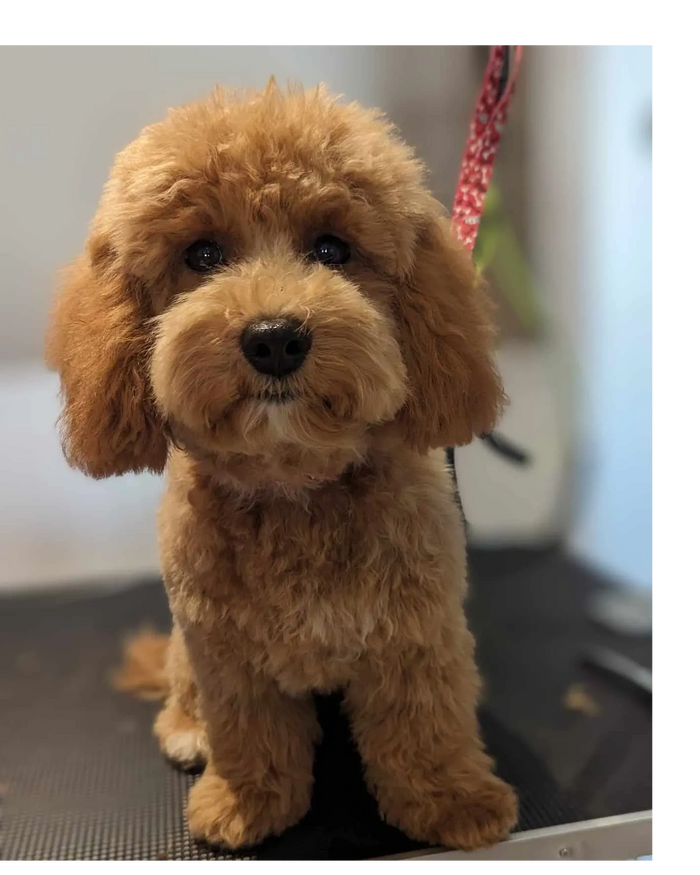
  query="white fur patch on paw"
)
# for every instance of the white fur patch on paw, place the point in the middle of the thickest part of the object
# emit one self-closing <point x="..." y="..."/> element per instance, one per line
<point x="186" y="747"/>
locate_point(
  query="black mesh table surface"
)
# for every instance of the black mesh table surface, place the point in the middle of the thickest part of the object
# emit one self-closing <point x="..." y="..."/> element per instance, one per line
<point x="81" y="777"/>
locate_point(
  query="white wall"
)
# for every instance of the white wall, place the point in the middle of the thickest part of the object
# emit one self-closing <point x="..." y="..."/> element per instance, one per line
<point x="56" y="525"/>
<point x="614" y="528"/>
<point x="590" y="219"/>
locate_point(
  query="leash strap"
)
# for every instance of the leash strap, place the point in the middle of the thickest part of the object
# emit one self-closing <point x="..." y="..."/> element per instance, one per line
<point x="484" y="138"/>
<point x="475" y="173"/>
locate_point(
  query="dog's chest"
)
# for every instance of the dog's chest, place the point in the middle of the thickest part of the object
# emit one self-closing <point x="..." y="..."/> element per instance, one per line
<point x="308" y="590"/>
<point x="331" y="594"/>
<point x="316" y="642"/>
<point x="314" y="593"/>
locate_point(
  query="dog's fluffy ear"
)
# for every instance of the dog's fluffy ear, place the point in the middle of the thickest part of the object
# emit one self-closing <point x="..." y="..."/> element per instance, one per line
<point x="447" y="334"/>
<point x="99" y="344"/>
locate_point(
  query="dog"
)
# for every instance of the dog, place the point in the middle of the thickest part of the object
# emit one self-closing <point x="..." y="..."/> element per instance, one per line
<point x="272" y="306"/>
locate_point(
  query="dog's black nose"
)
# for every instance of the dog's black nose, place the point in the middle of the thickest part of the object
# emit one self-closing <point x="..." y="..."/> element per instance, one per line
<point x="276" y="347"/>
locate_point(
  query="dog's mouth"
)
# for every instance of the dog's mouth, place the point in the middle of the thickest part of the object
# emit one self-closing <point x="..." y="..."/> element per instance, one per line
<point x="285" y="396"/>
<point x="282" y="396"/>
<point x="270" y="398"/>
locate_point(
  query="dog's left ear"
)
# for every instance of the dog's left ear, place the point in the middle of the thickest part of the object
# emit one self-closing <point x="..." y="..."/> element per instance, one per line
<point x="447" y="336"/>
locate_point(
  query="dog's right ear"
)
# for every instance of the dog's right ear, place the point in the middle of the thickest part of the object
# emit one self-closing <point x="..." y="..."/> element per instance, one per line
<point x="99" y="343"/>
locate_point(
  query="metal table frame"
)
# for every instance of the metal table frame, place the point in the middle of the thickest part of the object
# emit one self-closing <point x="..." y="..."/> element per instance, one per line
<point x="623" y="837"/>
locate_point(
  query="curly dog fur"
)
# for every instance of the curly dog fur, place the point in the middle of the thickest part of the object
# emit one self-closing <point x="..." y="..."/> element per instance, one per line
<point x="308" y="534"/>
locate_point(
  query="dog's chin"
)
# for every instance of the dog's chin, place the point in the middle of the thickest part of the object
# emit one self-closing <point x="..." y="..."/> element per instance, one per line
<point x="278" y="440"/>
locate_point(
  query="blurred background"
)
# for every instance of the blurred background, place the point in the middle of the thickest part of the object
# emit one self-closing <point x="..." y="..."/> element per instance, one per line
<point x="560" y="565"/>
<point x="571" y="270"/>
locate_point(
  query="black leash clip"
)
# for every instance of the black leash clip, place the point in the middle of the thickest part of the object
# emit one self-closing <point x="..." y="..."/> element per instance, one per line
<point x="505" y="448"/>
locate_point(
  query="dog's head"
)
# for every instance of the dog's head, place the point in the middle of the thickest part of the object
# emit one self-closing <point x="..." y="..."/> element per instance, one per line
<point x="268" y="283"/>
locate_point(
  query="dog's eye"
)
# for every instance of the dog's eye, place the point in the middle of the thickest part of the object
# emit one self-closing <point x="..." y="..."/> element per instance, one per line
<point x="203" y="255"/>
<point x="330" y="250"/>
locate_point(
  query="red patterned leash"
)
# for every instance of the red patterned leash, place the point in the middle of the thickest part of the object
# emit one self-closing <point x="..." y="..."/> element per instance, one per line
<point x="475" y="172"/>
<point x="485" y="132"/>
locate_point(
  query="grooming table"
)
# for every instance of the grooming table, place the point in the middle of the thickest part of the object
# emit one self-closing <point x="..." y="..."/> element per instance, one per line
<point x="81" y="777"/>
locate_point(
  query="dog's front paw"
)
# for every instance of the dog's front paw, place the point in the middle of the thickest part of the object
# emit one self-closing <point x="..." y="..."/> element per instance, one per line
<point x="480" y="817"/>
<point x="468" y="815"/>
<point x="222" y="815"/>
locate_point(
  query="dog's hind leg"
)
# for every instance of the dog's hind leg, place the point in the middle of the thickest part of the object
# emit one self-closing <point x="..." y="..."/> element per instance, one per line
<point x="179" y="727"/>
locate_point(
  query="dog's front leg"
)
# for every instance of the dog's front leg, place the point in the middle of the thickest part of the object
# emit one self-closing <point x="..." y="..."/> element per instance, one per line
<point x="413" y="712"/>
<point x="259" y="776"/>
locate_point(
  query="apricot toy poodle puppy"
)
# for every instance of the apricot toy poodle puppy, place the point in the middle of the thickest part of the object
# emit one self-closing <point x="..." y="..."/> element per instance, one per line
<point x="273" y="307"/>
